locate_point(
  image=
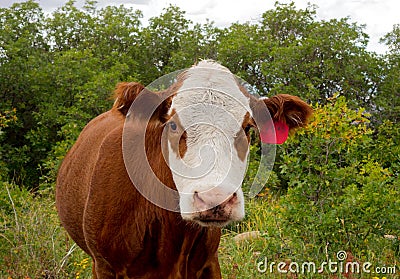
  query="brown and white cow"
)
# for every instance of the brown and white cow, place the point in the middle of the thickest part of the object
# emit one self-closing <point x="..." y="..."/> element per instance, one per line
<point x="194" y="138"/>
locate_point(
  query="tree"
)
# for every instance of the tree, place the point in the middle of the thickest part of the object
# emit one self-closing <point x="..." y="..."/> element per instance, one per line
<point x="24" y="53"/>
<point x="388" y="98"/>
<point x="160" y="40"/>
<point x="56" y="76"/>
<point x="71" y="28"/>
<point x="199" y="42"/>
<point x="243" y="49"/>
<point x="318" y="59"/>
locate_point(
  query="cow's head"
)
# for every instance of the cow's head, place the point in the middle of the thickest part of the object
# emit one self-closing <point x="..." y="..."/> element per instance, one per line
<point x="206" y="118"/>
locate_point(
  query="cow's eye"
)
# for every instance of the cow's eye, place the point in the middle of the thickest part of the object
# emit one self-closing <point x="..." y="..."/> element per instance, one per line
<point x="247" y="129"/>
<point x="173" y="126"/>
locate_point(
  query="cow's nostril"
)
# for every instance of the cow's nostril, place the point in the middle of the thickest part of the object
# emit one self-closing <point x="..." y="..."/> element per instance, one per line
<point x="233" y="199"/>
<point x="199" y="202"/>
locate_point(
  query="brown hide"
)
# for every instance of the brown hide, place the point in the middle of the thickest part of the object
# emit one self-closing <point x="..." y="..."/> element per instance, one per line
<point x="76" y="171"/>
<point x="126" y="235"/>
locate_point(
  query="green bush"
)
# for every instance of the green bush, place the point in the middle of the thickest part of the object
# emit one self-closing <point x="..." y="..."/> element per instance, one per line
<point x="334" y="188"/>
<point x="339" y="196"/>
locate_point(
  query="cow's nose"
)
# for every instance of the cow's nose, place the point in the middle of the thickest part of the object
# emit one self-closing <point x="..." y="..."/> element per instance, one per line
<point x="213" y="198"/>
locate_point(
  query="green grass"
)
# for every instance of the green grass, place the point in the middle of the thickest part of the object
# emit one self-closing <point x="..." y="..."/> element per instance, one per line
<point x="32" y="242"/>
<point x="239" y="259"/>
<point x="34" y="245"/>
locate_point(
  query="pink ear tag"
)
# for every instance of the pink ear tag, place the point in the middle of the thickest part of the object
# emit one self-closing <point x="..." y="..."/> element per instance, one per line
<point x="279" y="136"/>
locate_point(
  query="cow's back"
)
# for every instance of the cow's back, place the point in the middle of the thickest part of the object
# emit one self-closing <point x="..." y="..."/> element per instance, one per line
<point x="76" y="171"/>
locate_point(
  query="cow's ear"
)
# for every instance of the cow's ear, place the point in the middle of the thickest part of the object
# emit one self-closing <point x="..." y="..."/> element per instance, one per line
<point x="288" y="109"/>
<point x="287" y="112"/>
<point x="149" y="104"/>
<point x="124" y="94"/>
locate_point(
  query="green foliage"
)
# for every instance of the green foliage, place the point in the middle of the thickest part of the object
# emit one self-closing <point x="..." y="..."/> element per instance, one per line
<point x="388" y="99"/>
<point x="197" y="43"/>
<point x="7" y="118"/>
<point x="392" y="39"/>
<point x="342" y="194"/>
<point x="311" y="58"/>
<point x="339" y="196"/>
<point x="160" y="40"/>
<point x="59" y="69"/>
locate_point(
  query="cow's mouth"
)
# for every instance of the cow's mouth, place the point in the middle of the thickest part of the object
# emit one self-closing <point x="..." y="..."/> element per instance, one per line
<point x="214" y="217"/>
<point x="208" y="213"/>
<point x="212" y="222"/>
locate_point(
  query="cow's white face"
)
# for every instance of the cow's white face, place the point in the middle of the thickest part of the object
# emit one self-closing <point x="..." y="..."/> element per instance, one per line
<point x="203" y="120"/>
<point x="208" y="145"/>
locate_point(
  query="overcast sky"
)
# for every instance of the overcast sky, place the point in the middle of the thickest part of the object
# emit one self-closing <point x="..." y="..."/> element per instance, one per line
<point x="378" y="15"/>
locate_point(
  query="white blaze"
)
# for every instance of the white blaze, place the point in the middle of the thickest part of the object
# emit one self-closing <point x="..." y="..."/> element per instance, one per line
<point x="211" y="109"/>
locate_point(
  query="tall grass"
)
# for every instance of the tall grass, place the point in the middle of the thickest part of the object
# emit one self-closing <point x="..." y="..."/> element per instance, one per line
<point x="34" y="245"/>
